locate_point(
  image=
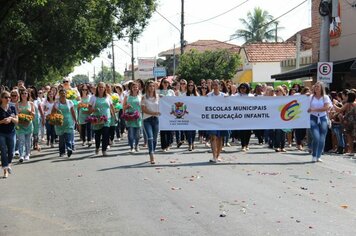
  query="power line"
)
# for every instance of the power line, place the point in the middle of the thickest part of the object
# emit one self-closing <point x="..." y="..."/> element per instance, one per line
<point x="168" y="21"/>
<point x="270" y="22"/>
<point x="211" y="18"/>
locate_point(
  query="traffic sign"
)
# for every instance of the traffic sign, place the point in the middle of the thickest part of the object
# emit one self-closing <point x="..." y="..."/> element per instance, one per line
<point x="325" y="72"/>
<point x="159" y="71"/>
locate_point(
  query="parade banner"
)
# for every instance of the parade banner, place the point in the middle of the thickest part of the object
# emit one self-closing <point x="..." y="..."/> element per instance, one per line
<point x="234" y="113"/>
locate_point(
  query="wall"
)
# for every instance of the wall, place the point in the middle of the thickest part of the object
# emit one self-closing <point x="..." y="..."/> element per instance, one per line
<point x="346" y="42"/>
<point x="262" y="71"/>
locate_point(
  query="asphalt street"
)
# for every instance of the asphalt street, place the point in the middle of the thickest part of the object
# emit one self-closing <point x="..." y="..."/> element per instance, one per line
<point x="260" y="192"/>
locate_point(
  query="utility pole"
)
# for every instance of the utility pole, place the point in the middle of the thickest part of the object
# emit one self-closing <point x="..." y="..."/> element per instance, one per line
<point x="324" y="53"/>
<point x="182" y="30"/>
<point x="113" y="59"/>
<point x="276" y="32"/>
<point x="132" y="59"/>
<point x="297" y="58"/>
<point x="94" y="74"/>
<point x="174" y="60"/>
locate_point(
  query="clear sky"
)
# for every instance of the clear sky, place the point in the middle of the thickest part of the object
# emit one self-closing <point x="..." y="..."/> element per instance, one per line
<point x="160" y="35"/>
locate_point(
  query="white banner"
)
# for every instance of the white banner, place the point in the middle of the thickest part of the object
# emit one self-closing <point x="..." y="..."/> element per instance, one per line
<point x="145" y="68"/>
<point x="234" y="113"/>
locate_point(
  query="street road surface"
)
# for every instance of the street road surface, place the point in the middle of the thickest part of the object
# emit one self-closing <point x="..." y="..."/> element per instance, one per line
<point x="256" y="193"/>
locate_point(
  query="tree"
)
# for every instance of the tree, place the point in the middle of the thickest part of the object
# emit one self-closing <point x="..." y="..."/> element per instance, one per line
<point x="80" y="79"/>
<point x="220" y="64"/>
<point x="106" y="76"/>
<point x="41" y="37"/>
<point x="258" y="27"/>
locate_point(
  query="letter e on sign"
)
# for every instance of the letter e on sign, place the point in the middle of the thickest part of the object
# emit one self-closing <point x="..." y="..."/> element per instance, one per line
<point x="325" y="72"/>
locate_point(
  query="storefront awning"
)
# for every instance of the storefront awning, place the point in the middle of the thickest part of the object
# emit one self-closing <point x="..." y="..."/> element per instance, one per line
<point x="342" y="66"/>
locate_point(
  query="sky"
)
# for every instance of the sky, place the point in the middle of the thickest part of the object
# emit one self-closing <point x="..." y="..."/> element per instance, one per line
<point x="160" y="35"/>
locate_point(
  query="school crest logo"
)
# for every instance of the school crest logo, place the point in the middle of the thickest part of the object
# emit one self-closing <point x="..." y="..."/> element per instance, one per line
<point x="290" y="111"/>
<point x="179" y="110"/>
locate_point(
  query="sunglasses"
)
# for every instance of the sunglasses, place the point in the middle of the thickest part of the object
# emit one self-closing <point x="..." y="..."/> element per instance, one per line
<point x="183" y="84"/>
<point x="24" y="93"/>
<point x="65" y="81"/>
<point x="13" y="95"/>
<point x="6" y="97"/>
<point x="191" y="85"/>
<point x="204" y="88"/>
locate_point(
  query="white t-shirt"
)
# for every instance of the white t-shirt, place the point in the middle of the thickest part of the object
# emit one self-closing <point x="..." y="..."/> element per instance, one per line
<point x="319" y="103"/>
<point x="151" y="104"/>
<point x="47" y="107"/>
<point x="212" y="94"/>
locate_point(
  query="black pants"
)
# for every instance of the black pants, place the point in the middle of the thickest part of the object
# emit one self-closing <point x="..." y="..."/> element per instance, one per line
<point x="245" y="136"/>
<point x="259" y="135"/>
<point x="102" y="135"/>
<point x="166" y="137"/>
<point x="85" y="132"/>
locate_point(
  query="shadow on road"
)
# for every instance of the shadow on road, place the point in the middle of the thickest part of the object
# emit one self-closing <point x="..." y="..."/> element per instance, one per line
<point x="147" y="165"/>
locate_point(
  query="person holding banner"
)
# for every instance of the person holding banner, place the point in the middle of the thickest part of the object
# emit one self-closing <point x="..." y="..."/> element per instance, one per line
<point x="319" y="105"/>
<point x="150" y="110"/>
<point x="166" y="135"/>
<point x="245" y="135"/>
<point x="280" y="134"/>
<point x="216" y="136"/>
<point x="190" y="134"/>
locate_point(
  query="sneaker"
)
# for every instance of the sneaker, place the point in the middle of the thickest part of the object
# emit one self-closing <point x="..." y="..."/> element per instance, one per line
<point x="137" y="149"/>
<point x="207" y="144"/>
<point x="283" y="150"/>
<point x="61" y="154"/>
<point x="52" y="145"/>
<point x="278" y="150"/>
<point x="21" y="159"/>
<point x="105" y="153"/>
<point x="69" y="152"/>
<point x="96" y="151"/>
<point x="319" y="160"/>
<point x="314" y="159"/>
<point x="9" y="170"/>
<point x="212" y="160"/>
<point x="89" y="143"/>
<point x="243" y="149"/>
<point x="108" y="147"/>
<point x="179" y="144"/>
<point x="228" y="145"/>
<point x="17" y="153"/>
<point x="132" y="150"/>
<point x="27" y="157"/>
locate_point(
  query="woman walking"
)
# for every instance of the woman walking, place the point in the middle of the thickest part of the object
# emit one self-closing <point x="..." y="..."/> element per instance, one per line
<point x="101" y="105"/>
<point x="65" y="131"/>
<point x="25" y="128"/>
<point x="216" y="136"/>
<point x="47" y="108"/>
<point x="319" y="105"/>
<point x="150" y="109"/>
<point x="166" y="135"/>
<point x="190" y="134"/>
<point x="8" y="120"/>
<point x="85" y="126"/>
<point x="132" y="105"/>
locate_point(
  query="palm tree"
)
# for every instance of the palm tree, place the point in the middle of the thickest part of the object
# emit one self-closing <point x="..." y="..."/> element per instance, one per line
<point x="257" y="27"/>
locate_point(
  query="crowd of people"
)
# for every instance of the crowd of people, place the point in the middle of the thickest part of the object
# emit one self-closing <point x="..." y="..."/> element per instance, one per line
<point x="104" y="113"/>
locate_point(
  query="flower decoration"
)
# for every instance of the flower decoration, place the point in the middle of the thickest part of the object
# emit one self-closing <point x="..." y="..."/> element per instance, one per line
<point x="115" y="99"/>
<point x="24" y="119"/>
<point x="83" y="105"/>
<point x="71" y="95"/>
<point x="95" y="120"/>
<point x="55" y="119"/>
<point x="130" y="116"/>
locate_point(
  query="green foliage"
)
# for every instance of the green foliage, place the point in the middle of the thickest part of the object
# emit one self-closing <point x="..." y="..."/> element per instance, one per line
<point x="220" y="64"/>
<point x="257" y="27"/>
<point x="80" y="79"/>
<point x="106" y="76"/>
<point x="42" y="37"/>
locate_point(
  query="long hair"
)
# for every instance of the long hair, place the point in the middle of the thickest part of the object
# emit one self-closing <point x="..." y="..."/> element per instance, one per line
<point x="97" y="89"/>
<point x="322" y="88"/>
<point x="147" y="84"/>
<point x="131" y="90"/>
<point x="22" y="91"/>
<point x="194" y="90"/>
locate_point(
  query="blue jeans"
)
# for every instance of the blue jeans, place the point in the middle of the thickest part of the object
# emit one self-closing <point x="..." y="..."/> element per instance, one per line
<point x="7" y="148"/>
<point x="24" y="141"/>
<point x="337" y="129"/>
<point x="133" y="136"/>
<point x="51" y="133"/>
<point x="318" y="132"/>
<point x="65" y="142"/>
<point x="150" y="126"/>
